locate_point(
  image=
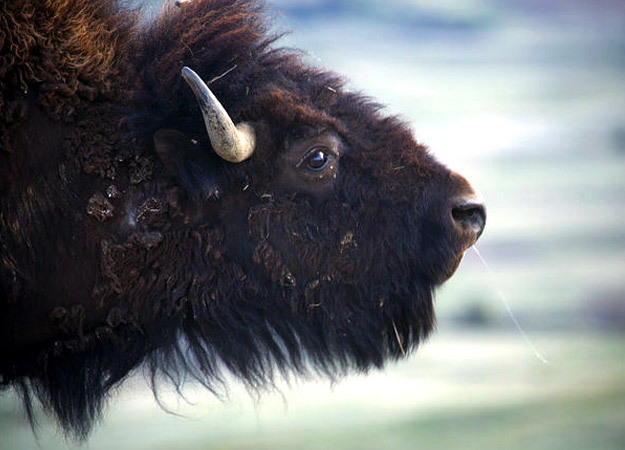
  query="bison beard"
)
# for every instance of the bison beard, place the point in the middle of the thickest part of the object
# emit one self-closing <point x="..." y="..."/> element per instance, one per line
<point x="127" y="242"/>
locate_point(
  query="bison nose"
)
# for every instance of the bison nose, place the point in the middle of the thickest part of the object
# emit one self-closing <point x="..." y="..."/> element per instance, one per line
<point x="469" y="216"/>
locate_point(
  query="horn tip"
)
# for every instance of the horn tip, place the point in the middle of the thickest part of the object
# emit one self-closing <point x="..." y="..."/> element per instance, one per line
<point x="187" y="71"/>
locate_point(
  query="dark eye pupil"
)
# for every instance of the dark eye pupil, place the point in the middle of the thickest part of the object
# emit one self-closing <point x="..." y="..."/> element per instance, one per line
<point x="317" y="160"/>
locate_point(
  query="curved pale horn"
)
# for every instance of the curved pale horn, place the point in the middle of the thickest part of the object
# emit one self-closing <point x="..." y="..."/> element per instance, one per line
<point x="234" y="143"/>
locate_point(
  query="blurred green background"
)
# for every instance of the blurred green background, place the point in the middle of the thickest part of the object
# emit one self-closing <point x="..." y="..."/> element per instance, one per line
<point x="527" y="99"/>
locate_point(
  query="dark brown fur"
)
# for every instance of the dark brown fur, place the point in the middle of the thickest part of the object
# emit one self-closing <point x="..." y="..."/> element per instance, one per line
<point x="109" y="259"/>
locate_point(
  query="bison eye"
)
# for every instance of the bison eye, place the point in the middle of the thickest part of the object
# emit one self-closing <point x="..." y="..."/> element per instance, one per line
<point x="316" y="159"/>
<point x="311" y="163"/>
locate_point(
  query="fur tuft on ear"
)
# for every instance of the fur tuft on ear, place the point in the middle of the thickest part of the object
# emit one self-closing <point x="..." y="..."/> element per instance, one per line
<point x="188" y="162"/>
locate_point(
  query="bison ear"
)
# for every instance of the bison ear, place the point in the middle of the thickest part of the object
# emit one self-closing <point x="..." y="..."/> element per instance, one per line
<point x="184" y="159"/>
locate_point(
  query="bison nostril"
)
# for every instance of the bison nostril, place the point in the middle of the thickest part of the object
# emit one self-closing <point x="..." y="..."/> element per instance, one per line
<point x="470" y="215"/>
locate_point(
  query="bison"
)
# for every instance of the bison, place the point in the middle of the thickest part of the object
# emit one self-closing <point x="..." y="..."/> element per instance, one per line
<point x="185" y="196"/>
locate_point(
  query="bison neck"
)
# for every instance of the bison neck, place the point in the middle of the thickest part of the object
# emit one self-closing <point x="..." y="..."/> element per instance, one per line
<point x="43" y="238"/>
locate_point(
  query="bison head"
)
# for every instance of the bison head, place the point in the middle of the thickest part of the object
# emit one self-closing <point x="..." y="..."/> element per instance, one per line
<point x="264" y="219"/>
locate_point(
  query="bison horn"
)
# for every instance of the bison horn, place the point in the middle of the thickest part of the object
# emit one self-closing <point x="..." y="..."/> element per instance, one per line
<point x="234" y="143"/>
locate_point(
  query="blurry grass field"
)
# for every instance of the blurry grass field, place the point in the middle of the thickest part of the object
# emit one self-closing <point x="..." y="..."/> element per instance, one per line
<point x="590" y="421"/>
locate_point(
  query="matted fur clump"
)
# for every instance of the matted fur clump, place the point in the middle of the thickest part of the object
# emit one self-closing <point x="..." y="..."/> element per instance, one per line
<point x="127" y="242"/>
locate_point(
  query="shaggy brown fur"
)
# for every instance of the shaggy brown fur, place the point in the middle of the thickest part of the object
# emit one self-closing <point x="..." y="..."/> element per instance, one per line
<point x="72" y="50"/>
<point x="112" y="257"/>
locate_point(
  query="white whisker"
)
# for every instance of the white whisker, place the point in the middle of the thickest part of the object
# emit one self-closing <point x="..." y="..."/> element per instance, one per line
<point x="502" y="297"/>
<point x="401" y="346"/>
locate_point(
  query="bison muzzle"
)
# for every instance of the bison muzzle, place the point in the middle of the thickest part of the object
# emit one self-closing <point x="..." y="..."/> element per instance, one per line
<point x="186" y="197"/>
